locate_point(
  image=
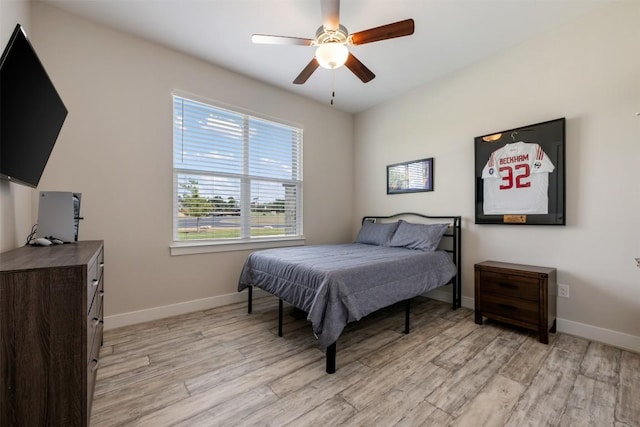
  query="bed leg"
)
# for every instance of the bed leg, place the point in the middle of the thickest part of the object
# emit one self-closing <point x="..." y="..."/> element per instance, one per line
<point x="331" y="358"/>
<point x="280" y="316"/>
<point x="249" y="299"/>
<point x="407" y="318"/>
<point x="454" y="292"/>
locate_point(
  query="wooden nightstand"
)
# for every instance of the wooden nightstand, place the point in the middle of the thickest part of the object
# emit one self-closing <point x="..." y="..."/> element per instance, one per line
<point x="523" y="295"/>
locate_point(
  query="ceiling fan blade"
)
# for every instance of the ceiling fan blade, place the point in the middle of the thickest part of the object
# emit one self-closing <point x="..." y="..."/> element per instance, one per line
<point x="359" y="69"/>
<point x="268" y="39"/>
<point x="389" y="31"/>
<point x="330" y="14"/>
<point x="306" y="73"/>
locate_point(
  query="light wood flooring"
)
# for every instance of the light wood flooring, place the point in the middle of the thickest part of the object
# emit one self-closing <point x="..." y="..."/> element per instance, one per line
<point x="226" y="367"/>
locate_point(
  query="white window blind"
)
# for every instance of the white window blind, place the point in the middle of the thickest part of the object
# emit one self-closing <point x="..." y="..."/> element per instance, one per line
<point x="236" y="177"/>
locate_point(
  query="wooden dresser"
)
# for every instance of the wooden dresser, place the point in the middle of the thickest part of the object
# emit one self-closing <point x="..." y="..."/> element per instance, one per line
<point x="51" y="325"/>
<point x="523" y="295"/>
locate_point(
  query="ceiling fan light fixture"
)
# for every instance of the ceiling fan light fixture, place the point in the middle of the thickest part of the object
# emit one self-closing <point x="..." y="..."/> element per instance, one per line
<point x="332" y="55"/>
<point x="333" y="40"/>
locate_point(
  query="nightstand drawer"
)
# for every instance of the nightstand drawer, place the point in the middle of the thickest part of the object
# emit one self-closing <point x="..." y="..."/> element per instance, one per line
<point x="507" y="284"/>
<point x="520" y="310"/>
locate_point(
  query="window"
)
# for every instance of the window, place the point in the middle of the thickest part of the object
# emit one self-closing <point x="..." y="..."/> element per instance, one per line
<point x="236" y="177"/>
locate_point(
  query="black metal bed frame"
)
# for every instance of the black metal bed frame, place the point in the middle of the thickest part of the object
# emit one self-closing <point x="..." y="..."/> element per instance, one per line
<point x="454" y="232"/>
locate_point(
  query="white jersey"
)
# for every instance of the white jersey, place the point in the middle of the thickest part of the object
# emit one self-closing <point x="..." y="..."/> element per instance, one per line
<point x="516" y="180"/>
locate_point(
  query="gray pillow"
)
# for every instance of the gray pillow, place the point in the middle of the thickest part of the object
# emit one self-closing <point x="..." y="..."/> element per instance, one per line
<point x="424" y="237"/>
<point x="376" y="234"/>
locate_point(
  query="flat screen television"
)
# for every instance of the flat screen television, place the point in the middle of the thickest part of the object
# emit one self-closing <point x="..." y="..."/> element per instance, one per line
<point x="31" y="112"/>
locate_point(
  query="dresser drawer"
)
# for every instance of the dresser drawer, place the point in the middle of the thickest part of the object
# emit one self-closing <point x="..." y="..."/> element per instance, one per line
<point x="96" y="342"/>
<point x="508" y="284"/>
<point x="92" y="372"/>
<point x="95" y="325"/>
<point x="92" y="292"/>
<point x="94" y="277"/>
<point x="512" y="309"/>
<point x="95" y="322"/>
<point x="93" y="362"/>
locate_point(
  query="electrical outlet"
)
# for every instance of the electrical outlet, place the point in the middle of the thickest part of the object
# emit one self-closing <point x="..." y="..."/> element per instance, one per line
<point x="563" y="290"/>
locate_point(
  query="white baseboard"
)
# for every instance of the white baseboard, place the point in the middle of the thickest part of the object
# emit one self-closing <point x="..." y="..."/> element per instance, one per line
<point x="594" y="333"/>
<point x="155" y="313"/>
<point x="582" y="330"/>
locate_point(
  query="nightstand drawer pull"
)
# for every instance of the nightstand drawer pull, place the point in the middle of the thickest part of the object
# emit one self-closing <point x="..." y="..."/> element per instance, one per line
<point x="507" y="307"/>
<point x="508" y="285"/>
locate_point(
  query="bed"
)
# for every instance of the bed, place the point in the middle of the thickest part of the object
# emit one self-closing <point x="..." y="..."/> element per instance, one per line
<point x="394" y="258"/>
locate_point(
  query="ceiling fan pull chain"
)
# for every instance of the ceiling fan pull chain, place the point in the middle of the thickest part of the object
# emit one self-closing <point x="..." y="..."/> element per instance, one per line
<point x="333" y="85"/>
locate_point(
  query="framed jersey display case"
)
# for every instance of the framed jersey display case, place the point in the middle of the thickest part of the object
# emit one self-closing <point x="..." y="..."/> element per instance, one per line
<point x="520" y="175"/>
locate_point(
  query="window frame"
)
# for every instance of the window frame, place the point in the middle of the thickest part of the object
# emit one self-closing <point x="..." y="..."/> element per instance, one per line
<point x="194" y="246"/>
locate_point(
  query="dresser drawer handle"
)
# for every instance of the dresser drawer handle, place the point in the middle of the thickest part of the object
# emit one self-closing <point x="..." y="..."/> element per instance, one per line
<point x="102" y="265"/>
<point x="94" y="282"/>
<point x="95" y="321"/>
<point x="94" y="364"/>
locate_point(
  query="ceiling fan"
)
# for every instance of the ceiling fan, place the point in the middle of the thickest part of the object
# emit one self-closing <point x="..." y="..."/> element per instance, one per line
<point x="332" y="41"/>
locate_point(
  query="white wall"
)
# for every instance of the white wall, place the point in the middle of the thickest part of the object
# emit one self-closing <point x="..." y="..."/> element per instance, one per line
<point x="116" y="149"/>
<point x="16" y="201"/>
<point x="118" y="154"/>
<point x="588" y="72"/>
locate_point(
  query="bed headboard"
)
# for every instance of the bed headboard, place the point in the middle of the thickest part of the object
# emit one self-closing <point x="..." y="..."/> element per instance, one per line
<point x="451" y="241"/>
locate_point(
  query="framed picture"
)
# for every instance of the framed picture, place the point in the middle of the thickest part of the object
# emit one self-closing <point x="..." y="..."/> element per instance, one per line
<point x="410" y="177"/>
<point x="520" y="176"/>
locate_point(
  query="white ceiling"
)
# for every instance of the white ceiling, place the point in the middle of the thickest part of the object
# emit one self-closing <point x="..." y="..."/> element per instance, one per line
<point x="449" y="35"/>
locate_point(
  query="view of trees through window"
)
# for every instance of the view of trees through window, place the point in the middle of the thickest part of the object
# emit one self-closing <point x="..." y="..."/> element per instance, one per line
<point x="216" y="209"/>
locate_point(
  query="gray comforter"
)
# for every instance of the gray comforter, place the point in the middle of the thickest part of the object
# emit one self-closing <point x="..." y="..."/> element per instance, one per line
<point x="338" y="284"/>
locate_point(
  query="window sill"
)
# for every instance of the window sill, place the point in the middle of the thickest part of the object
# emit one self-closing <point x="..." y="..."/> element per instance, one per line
<point x="191" y="248"/>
